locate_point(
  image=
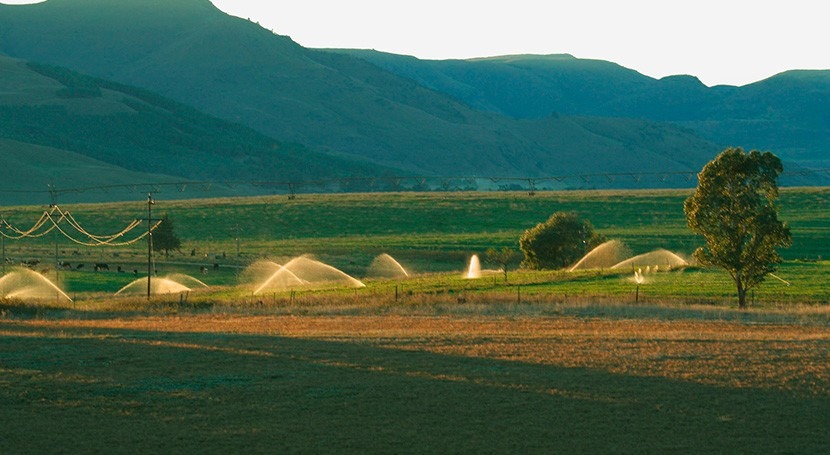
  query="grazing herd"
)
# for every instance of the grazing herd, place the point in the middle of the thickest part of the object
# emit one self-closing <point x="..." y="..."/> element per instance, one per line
<point x="98" y="266"/>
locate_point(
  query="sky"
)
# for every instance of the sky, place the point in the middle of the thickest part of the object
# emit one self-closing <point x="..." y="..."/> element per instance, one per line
<point x="719" y="41"/>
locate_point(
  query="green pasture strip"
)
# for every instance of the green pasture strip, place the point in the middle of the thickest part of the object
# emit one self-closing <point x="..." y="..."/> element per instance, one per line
<point x="644" y="219"/>
<point x="425" y="232"/>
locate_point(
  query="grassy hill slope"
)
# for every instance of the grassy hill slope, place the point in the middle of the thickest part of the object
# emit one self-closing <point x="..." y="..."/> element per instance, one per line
<point x="27" y="171"/>
<point x="234" y="69"/>
<point x="44" y="107"/>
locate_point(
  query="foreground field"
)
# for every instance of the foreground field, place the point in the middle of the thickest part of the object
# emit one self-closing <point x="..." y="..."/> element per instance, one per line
<point x="202" y="382"/>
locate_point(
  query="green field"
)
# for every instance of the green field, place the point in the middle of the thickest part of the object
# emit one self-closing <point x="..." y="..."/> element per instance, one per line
<point x="431" y="234"/>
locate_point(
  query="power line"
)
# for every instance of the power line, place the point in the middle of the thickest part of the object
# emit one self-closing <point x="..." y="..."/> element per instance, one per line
<point x="48" y="223"/>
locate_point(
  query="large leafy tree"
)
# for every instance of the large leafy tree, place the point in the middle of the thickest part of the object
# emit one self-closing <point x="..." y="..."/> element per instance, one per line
<point x="558" y="242"/>
<point x="734" y="209"/>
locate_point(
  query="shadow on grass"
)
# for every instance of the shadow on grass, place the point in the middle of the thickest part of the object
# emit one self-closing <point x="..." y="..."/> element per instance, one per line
<point x="127" y="391"/>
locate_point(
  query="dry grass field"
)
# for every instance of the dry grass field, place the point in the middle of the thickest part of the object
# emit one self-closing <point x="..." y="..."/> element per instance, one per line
<point x="206" y="382"/>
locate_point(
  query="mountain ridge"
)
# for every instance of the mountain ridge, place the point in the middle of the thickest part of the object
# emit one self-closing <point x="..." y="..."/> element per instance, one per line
<point x="788" y="112"/>
<point x="236" y="70"/>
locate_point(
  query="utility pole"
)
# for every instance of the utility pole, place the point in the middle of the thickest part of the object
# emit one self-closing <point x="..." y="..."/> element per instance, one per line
<point x="531" y="187"/>
<point x="53" y="194"/>
<point x="150" y="203"/>
<point x="3" y="240"/>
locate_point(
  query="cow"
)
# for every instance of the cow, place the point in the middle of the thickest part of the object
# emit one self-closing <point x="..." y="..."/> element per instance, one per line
<point x="101" y="266"/>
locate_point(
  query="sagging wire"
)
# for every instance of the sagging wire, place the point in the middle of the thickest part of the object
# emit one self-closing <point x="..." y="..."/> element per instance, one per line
<point x="30" y="233"/>
<point x="48" y="216"/>
<point x="98" y="238"/>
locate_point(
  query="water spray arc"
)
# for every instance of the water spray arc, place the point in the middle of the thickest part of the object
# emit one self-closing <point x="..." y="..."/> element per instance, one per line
<point x="299" y="272"/>
<point x="385" y="266"/>
<point x="281" y="275"/>
<point x="159" y="286"/>
<point x="639" y="279"/>
<point x="25" y="283"/>
<point x="657" y="258"/>
<point x="474" y="268"/>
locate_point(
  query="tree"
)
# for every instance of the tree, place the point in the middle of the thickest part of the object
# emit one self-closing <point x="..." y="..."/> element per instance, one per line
<point x="734" y="209"/>
<point x="501" y="258"/>
<point x="558" y="242"/>
<point x="165" y="238"/>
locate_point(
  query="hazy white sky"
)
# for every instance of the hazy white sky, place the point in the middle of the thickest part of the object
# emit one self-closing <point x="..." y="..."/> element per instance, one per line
<point x="720" y="41"/>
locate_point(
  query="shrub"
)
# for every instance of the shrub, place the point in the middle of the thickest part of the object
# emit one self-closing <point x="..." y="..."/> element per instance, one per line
<point x="558" y="242"/>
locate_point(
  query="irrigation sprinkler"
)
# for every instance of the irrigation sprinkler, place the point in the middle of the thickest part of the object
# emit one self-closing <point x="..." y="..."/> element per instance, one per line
<point x="639" y="279"/>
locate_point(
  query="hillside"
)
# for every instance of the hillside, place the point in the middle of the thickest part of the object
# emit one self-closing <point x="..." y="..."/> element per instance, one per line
<point x="27" y="171"/>
<point x="788" y="113"/>
<point x="234" y="69"/>
<point x="137" y="134"/>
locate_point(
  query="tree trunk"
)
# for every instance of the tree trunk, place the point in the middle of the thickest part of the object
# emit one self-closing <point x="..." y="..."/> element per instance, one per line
<point x="741" y="294"/>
